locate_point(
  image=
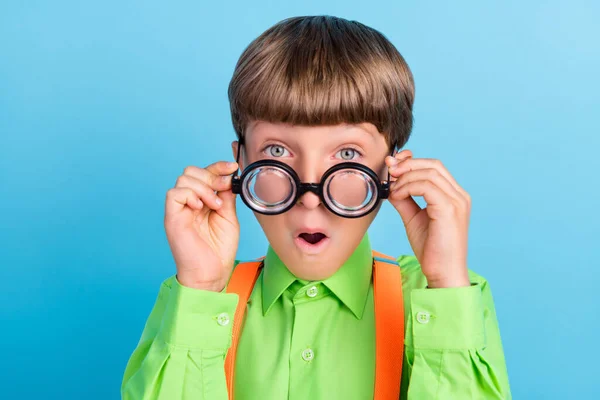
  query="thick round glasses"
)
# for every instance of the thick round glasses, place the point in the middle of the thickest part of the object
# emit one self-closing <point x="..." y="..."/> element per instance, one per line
<point x="348" y="189"/>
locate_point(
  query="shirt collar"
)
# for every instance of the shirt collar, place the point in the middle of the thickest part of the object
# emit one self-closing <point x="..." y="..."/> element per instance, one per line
<point x="350" y="283"/>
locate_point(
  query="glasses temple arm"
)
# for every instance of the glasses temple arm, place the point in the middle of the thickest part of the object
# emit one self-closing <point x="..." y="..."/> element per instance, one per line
<point x="389" y="177"/>
<point x="237" y="157"/>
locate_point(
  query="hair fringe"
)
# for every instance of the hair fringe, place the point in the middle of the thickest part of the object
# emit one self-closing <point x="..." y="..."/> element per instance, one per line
<point x="323" y="70"/>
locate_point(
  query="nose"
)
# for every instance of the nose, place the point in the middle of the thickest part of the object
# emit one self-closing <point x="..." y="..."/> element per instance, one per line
<point x="309" y="200"/>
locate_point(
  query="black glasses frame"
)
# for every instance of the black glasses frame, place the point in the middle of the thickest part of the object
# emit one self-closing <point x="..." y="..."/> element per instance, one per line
<point x="382" y="187"/>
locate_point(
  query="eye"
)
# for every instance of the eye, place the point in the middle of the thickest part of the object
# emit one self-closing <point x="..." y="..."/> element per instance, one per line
<point x="348" y="154"/>
<point x="276" y="150"/>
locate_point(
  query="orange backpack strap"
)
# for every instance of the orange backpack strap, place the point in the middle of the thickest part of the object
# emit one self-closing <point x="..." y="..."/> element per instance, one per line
<point x="241" y="282"/>
<point x="389" y="326"/>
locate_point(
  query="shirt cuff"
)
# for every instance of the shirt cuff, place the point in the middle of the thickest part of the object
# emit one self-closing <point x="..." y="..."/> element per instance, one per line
<point x="447" y="318"/>
<point x="198" y="319"/>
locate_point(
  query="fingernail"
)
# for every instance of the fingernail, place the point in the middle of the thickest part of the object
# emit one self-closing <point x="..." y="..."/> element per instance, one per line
<point x="219" y="201"/>
<point x="226" y="178"/>
<point x="231" y="164"/>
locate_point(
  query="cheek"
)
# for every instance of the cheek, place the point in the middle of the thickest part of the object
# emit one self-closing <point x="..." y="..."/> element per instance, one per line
<point x="365" y="222"/>
<point x="352" y="228"/>
<point x="273" y="225"/>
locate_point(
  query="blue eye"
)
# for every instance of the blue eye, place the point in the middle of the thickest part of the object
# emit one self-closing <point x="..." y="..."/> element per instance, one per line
<point x="348" y="154"/>
<point x="276" y="150"/>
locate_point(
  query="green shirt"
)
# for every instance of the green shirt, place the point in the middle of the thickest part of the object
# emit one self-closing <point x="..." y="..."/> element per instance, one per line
<point x="316" y="340"/>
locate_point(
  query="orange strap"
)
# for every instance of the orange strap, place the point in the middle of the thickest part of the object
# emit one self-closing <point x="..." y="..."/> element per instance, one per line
<point x="389" y="322"/>
<point x="389" y="327"/>
<point x="241" y="282"/>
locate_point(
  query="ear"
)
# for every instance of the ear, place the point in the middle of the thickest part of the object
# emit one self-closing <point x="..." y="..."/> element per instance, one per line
<point x="234" y="149"/>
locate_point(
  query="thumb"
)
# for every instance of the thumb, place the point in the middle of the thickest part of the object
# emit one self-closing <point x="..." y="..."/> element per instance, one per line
<point x="227" y="210"/>
<point x="407" y="208"/>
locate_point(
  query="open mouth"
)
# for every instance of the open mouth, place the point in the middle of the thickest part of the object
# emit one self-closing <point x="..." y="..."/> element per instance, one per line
<point x="311" y="242"/>
<point x="312" y="238"/>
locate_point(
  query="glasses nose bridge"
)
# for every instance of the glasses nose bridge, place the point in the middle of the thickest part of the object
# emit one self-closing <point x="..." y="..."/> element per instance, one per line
<point x="309" y="187"/>
<point x="310" y="174"/>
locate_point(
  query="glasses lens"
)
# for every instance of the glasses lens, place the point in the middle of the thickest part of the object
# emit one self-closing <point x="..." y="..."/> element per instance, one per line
<point x="269" y="189"/>
<point x="350" y="192"/>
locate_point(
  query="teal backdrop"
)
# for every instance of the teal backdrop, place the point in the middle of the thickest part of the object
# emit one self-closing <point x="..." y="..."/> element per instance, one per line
<point x="103" y="104"/>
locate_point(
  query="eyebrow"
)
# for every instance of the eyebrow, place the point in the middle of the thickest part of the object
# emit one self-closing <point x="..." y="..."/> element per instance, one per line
<point x="372" y="135"/>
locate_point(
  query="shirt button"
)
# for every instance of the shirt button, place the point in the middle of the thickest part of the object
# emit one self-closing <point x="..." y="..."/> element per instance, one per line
<point x="423" y="317"/>
<point x="312" y="291"/>
<point x="308" y="354"/>
<point x="223" y="319"/>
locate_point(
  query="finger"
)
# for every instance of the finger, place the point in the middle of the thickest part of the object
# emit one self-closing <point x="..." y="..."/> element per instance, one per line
<point x="179" y="198"/>
<point x="410" y="164"/>
<point x="228" y="210"/>
<point x="392" y="161"/>
<point x="205" y="193"/>
<point x="215" y="175"/>
<point x="428" y="174"/>
<point x="436" y="199"/>
<point x="228" y="206"/>
<point x="407" y="206"/>
<point x="223" y="167"/>
<point x="401" y="156"/>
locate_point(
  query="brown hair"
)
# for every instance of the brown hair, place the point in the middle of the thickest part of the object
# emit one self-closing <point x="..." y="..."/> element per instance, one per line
<point x="323" y="70"/>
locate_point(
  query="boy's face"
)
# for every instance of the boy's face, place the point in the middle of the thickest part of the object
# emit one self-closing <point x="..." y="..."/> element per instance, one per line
<point x="310" y="151"/>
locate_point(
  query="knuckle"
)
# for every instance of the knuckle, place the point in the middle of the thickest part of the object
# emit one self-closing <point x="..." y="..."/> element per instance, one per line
<point x="437" y="164"/>
<point x="468" y="197"/>
<point x="215" y="180"/>
<point x="467" y="205"/>
<point x="432" y="187"/>
<point x="464" y="205"/>
<point x="181" y="180"/>
<point x="454" y="208"/>
<point x="461" y="205"/>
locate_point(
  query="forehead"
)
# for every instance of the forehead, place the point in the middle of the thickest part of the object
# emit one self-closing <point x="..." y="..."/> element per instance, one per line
<point x="301" y="135"/>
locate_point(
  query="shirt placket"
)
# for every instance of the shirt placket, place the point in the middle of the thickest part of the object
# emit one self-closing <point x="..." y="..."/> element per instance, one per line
<point x="304" y="348"/>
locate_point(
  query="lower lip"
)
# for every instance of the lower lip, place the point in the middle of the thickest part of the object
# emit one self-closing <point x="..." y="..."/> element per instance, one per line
<point x="308" y="248"/>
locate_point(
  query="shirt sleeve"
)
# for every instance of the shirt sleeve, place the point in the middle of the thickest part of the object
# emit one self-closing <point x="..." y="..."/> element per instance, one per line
<point x="181" y="353"/>
<point x="453" y="348"/>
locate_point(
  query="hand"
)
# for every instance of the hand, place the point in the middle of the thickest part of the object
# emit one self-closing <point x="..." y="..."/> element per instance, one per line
<point x="437" y="233"/>
<point x="202" y="226"/>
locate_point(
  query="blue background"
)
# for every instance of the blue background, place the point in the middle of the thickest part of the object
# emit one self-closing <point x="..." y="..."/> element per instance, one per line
<point x="102" y="106"/>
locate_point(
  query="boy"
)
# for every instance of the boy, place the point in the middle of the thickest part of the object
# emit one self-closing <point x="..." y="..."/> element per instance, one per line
<point x="319" y="105"/>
